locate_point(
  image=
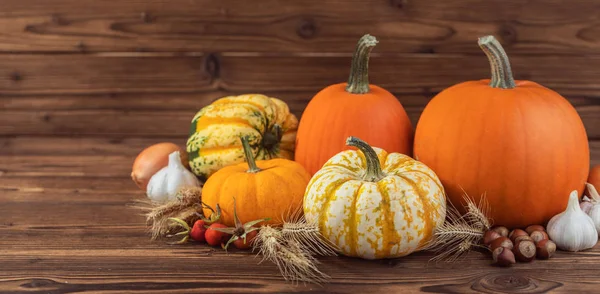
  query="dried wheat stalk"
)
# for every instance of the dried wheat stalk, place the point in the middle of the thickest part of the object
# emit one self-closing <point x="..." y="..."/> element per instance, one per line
<point x="187" y="206"/>
<point x="460" y="233"/>
<point x="293" y="247"/>
<point x="307" y="234"/>
<point x="291" y="257"/>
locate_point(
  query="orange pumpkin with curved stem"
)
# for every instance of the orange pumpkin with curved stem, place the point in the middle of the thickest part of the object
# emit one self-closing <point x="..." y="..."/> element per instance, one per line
<point x="355" y="108"/>
<point x="521" y="144"/>
<point x="271" y="188"/>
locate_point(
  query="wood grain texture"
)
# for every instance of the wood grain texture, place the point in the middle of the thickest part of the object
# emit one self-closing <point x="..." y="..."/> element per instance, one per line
<point x="100" y="246"/>
<point x="161" y="123"/>
<point x="85" y="85"/>
<point x="550" y="27"/>
<point x="421" y="74"/>
<point x="77" y="156"/>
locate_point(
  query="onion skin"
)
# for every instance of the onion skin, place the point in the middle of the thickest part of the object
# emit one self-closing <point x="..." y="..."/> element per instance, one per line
<point x="151" y="160"/>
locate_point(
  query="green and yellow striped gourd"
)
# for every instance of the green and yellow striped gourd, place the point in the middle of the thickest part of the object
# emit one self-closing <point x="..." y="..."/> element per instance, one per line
<point x="214" y="140"/>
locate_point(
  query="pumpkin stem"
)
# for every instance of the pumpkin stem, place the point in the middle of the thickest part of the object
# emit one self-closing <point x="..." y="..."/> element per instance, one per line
<point x="358" y="82"/>
<point x="252" y="168"/>
<point x="272" y="138"/>
<point x="501" y="72"/>
<point x="374" y="172"/>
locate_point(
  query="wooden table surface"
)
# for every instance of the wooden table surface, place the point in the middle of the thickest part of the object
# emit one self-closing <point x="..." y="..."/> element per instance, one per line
<point x="86" y="84"/>
<point x="67" y="224"/>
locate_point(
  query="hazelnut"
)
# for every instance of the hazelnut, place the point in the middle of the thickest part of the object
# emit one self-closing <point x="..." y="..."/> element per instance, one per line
<point x="503" y="231"/>
<point x="516" y="233"/>
<point x="538" y="236"/>
<point x="524" y="250"/>
<point x="533" y="228"/>
<point x="501" y="242"/>
<point x="503" y="256"/>
<point x="525" y="237"/>
<point x="490" y="236"/>
<point x="545" y="249"/>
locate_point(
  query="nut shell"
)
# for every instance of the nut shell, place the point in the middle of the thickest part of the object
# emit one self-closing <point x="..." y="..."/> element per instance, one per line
<point x="503" y="256"/>
<point x="516" y="233"/>
<point x="503" y="231"/>
<point x="524" y="250"/>
<point x="545" y="249"/>
<point x="489" y="237"/>
<point x="533" y="228"/>
<point x="501" y="242"/>
<point x="520" y="238"/>
<point x="538" y="236"/>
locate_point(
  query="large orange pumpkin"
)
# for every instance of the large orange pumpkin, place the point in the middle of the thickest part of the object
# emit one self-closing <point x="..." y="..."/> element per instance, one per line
<point x="522" y="145"/>
<point x="355" y="108"/>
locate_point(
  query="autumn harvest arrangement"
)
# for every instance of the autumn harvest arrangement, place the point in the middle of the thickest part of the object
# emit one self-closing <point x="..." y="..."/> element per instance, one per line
<point x="486" y="167"/>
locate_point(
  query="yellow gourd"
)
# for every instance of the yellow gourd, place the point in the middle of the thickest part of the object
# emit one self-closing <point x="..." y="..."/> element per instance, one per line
<point x="214" y="142"/>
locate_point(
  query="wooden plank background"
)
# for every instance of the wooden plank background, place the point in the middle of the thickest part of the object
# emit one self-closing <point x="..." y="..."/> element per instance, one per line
<point x="86" y="84"/>
<point x="92" y="68"/>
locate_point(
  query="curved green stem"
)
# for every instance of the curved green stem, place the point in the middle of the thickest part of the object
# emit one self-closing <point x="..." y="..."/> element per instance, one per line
<point x="249" y="156"/>
<point x="358" y="82"/>
<point x="374" y="172"/>
<point x="501" y="72"/>
<point x="272" y="137"/>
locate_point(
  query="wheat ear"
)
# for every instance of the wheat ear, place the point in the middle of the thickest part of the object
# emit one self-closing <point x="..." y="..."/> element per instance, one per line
<point x="460" y="233"/>
<point x="186" y="206"/>
<point x="293" y="261"/>
<point x="307" y="234"/>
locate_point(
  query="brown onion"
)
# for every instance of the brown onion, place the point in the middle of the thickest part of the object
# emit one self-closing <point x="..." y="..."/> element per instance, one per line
<point x="151" y="160"/>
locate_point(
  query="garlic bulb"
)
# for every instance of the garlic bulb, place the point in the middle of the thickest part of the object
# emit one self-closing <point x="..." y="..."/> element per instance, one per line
<point x="166" y="183"/>
<point x="594" y="211"/>
<point x="572" y="230"/>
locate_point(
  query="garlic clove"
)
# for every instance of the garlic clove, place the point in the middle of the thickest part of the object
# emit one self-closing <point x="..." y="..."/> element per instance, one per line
<point x="593" y="209"/>
<point x="593" y="193"/>
<point x="586" y="206"/>
<point x="572" y="230"/>
<point x="594" y="213"/>
<point x="167" y="182"/>
<point x="157" y="186"/>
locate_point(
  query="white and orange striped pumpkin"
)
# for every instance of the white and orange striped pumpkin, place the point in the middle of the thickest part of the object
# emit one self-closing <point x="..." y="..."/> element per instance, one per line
<point x="372" y="204"/>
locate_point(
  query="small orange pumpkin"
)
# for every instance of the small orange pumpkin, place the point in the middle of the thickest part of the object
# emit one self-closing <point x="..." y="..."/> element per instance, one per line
<point x="263" y="189"/>
<point x="355" y="108"/>
<point x="522" y="145"/>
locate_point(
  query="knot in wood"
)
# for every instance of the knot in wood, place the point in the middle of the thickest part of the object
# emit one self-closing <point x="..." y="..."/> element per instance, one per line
<point x="81" y="46"/>
<point x="513" y="283"/>
<point x="399" y="3"/>
<point x="146" y="18"/>
<point x="212" y="65"/>
<point x="307" y="29"/>
<point x="58" y="20"/>
<point x="507" y="34"/>
<point x="16" y="76"/>
<point x="39" y="283"/>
